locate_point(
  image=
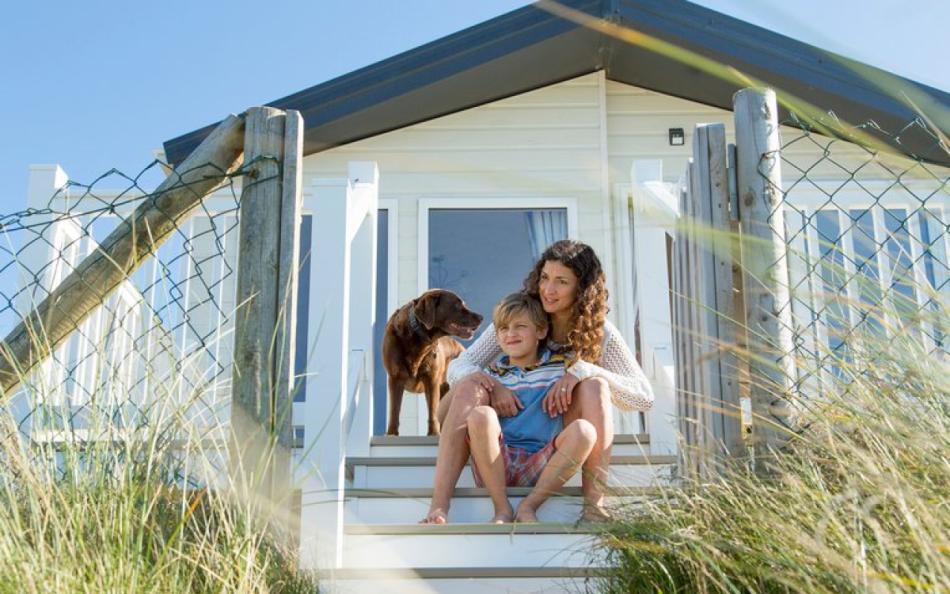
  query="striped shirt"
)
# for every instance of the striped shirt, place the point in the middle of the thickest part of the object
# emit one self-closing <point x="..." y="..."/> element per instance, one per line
<point x="532" y="428"/>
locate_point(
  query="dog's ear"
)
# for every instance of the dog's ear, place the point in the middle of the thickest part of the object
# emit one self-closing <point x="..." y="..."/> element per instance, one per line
<point x="425" y="309"/>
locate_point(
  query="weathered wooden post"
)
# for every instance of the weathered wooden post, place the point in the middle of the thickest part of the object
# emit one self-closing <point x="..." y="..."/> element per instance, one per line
<point x="765" y="267"/>
<point x="266" y="296"/>
<point x="704" y="309"/>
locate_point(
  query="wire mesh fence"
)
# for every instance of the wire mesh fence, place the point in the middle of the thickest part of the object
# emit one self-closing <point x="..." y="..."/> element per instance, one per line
<point x="867" y="236"/>
<point x="801" y="261"/>
<point x="155" y="355"/>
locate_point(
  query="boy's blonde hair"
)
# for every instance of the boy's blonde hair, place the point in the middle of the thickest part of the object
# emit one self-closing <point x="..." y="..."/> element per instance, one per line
<point x="516" y="303"/>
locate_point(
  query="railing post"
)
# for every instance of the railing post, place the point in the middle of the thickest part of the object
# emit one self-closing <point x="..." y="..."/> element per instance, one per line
<point x="765" y="267"/>
<point x="652" y="218"/>
<point x="322" y="412"/>
<point x="336" y="412"/>
<point x="266" y="291"/>
<point x="364" y="176"/>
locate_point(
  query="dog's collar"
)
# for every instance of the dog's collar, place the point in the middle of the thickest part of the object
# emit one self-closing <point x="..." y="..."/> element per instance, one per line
<point x="415" y="326"/>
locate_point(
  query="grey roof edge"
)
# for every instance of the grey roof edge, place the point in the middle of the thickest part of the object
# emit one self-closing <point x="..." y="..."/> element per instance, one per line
<point x="417" y="68"/>
<point x="474" y="66"/>
<point x="839" y="87"/>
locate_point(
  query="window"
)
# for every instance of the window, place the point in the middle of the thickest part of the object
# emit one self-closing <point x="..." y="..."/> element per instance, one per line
<point x="483" y="253"/>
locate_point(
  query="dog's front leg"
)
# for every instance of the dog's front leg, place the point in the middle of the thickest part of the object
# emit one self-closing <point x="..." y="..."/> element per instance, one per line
<point x="433" y="394"/>
<point x="395" y="405"/>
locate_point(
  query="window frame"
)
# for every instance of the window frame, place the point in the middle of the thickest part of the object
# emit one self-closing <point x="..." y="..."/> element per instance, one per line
<point x="482" y="203"/>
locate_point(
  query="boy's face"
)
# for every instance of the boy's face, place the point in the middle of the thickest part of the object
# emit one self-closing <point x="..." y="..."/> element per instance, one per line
<point x="519" y="338"/>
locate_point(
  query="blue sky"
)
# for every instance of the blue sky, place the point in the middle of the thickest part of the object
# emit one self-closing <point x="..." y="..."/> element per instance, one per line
<point x="99" y="84"/>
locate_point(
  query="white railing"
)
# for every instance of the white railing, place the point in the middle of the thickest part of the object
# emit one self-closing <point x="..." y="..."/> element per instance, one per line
<point x="123" y="348"/>
<point x="335" y="416"/>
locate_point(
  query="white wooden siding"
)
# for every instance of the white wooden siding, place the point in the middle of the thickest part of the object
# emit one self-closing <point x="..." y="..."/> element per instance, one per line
<point x="546" y="143"/>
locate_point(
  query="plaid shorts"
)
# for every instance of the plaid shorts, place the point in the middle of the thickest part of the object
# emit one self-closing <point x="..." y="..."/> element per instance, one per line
<point x="522" y="468"/>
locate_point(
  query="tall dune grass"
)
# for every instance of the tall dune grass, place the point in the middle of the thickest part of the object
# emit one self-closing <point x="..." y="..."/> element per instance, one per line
<point x="859" y="501"/>
<point x="132" y="514"/>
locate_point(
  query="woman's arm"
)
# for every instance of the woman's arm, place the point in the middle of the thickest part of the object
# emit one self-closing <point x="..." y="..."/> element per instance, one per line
<point x="629" y="387"/>
<point x="476" y="357"/>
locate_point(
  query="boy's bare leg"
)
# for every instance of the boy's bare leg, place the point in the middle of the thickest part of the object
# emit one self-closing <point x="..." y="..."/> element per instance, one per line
<point x="484" y="432"/>
<point x="453" y="451"/>
<point x="572" y="447"/>
<point x="591" y="402"/>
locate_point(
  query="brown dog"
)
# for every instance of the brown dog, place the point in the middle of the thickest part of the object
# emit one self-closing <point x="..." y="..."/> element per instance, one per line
<point x="417" y="349"/>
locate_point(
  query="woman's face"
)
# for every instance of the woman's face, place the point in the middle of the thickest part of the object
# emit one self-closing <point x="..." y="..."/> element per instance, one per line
<point x="557" y="287"/>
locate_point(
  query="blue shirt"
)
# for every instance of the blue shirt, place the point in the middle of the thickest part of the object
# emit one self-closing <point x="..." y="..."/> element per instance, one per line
<point x="532" y="428"/>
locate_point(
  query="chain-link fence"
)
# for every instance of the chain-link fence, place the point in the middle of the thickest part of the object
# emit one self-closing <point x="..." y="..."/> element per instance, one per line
<point x="800" y="258"/>
<point x="868" y="242"/>
<point x="155" y="355"/>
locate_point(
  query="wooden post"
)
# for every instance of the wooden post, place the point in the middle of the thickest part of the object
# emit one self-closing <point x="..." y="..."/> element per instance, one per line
<point x="120" y="254"/>
<point x="291" y="213"/>
<point x="705" y="302"/>
<point x="266" y="293"/>
<point x="711" y="152"/>
<point x="767" y="299"/>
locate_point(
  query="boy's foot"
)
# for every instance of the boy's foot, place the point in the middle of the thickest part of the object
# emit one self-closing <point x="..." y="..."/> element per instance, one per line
<point x="504" y="517"/>
<point x="436" y="515"/>
<point x="526" y="514"/>
<point x="595" y="513"/>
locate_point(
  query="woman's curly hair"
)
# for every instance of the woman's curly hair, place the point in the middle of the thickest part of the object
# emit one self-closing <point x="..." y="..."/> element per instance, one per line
<point x="590" y="304"/>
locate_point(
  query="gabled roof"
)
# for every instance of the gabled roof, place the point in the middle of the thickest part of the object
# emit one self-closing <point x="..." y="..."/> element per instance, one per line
<point x="533" y="47"/>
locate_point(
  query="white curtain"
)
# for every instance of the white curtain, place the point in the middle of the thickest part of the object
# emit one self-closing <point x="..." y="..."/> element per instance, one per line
<point x="544" y="228"/>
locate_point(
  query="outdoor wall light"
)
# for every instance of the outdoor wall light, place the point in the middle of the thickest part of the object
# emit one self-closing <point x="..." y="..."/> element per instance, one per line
<point x="677" y="137"/>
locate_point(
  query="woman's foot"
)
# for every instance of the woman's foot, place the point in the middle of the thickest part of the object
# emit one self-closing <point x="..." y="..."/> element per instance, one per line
<point x="526" y="514"/>
<point x="436" y="515"/>
<point x="595" y="513"/>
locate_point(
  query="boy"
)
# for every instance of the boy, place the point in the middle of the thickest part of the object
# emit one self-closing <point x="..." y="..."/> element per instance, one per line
<point x="529" y="449"/>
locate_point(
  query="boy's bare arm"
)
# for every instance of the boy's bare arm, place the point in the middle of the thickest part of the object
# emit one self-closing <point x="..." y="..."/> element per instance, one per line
<point x="505" y="402"/>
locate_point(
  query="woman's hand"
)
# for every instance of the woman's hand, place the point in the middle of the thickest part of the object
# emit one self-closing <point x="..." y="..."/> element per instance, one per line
<point x="558" y="398"/>
<point x="503" y="400"/>
<point x="482" y="380"/>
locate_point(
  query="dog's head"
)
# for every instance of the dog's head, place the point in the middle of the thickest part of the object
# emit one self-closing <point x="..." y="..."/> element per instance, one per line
<point x="444" y="311"/>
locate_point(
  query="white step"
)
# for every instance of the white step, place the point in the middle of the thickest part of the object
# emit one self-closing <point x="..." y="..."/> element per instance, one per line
<point x="423" y="445"/>
<point x="459" y="580"/>
<point x="469" y="505"/>
<point x="383" y="546"/>
<point x="416" y="471"/>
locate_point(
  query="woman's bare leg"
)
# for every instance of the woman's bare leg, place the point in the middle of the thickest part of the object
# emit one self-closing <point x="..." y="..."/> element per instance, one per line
<point x="591" y="402"/>
<point x="572" y="447"/>
<point x="484" y="432"/>
<point x="453" y="451"/>
<point x="444" y="403"/>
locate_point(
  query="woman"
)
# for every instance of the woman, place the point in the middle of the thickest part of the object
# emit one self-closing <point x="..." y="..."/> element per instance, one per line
<point x="569" y="281"/>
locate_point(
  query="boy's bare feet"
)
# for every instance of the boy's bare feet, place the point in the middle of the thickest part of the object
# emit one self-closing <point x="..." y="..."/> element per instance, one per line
<point x="526" y="514"/>
<point x="436" y="515"/>
<point x="595" y="513"/>
<point x="503" y="517"/>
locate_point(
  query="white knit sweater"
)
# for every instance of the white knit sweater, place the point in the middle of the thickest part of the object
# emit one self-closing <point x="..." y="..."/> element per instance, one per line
<point x="629" y="387"/>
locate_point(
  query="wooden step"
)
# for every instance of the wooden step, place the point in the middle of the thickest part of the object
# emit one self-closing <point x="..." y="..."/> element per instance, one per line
<point x="423" y="445"/>
<point x="383" y="546"/>
<point x="394" y="472"/>
<point x="461" y="580"/>
<point x="471" y="505"/>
